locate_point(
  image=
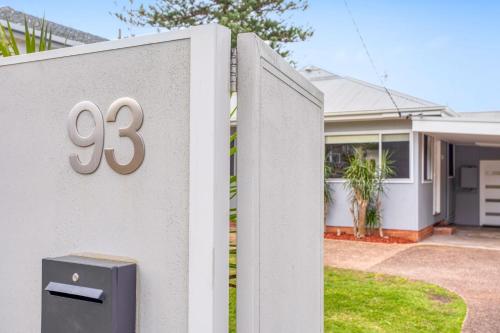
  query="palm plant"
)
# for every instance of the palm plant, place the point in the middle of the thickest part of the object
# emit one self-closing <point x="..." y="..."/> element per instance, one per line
<point x="361" y="180"/>
<point x="366" y="183"/>
<point x="233" y="188"/>
<point x="8" y="42"/>
<point x="327" y="191"/>
<point x="385" y="170"/>
<point x="372" y="217"/>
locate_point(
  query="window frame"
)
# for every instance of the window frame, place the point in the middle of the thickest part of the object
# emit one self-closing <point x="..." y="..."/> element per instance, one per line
<point x="423" y="160"/>
<point x="379" y="133"/>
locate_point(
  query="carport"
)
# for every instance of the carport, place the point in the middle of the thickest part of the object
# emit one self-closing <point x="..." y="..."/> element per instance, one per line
<point x="464" y="168"/>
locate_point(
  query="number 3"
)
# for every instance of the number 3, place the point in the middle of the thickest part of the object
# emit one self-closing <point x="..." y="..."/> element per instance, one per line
<point x="97" y="136"/>
<point x="129" y="132"/>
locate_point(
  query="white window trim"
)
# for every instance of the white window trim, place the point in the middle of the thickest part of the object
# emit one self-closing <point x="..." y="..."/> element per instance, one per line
<point x="409" y="180"/>
<point x="422" y="159"/>
<point x="436" y="186"/>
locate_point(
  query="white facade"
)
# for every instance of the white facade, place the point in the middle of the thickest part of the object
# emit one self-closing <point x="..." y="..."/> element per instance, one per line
<point x="360" y="113"/>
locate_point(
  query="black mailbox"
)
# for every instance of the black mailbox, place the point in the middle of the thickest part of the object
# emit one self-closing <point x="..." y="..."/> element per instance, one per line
<point x="88" y="295"/>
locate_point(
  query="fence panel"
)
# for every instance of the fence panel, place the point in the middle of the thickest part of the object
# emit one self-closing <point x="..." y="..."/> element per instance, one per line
<point x="280" y="195"/>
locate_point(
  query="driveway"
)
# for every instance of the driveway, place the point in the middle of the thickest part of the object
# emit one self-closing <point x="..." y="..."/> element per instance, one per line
<point x="483" y="238"/>
<point x="471" y="272"/>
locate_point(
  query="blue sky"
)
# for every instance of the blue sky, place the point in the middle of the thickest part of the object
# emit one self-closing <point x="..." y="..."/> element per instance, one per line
<point x="444" y="51"/>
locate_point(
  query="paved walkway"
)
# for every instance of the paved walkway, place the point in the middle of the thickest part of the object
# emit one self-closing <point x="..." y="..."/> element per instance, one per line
<point x="481" y="238"/>
<point x="473" y="273"/>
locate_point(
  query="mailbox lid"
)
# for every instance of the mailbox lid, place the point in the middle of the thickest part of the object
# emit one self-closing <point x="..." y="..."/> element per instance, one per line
<point x="84" y="295"/>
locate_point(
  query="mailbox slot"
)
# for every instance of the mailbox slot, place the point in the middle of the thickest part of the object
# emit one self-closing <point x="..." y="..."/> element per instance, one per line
<point x="75" y="292"/>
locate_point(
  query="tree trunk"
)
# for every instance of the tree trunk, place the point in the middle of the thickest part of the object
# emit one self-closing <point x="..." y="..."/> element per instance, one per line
<point x="379" y="214"/>
<point x="362" y="206"/>
<point x="354" y="217"/>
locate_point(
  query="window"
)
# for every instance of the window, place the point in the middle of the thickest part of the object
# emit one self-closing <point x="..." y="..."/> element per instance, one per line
<point x="339" y="149"/>
<point x="451" y="160"/>
<point x="398" y="147"/>
<point x="427" y="158"/>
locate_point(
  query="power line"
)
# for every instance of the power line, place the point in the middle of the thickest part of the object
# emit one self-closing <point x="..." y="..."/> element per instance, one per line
<point x="382" y="83"/>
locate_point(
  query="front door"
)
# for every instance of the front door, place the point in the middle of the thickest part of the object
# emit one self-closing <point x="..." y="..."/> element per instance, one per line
<point x="489" y="192"/>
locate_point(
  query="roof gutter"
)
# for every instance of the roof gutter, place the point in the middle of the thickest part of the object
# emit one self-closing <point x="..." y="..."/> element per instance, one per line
<point x="384" y="114"/>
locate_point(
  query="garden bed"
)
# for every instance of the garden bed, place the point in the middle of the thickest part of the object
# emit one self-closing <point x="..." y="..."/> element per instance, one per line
<point x="368" y="238"/>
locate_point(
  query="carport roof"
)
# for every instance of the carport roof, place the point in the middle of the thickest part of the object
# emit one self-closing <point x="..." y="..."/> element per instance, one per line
<point x="461" y="130"/>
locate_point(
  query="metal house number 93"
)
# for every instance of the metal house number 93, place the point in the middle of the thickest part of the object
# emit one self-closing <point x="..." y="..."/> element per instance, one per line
<point x="96" y="137"/>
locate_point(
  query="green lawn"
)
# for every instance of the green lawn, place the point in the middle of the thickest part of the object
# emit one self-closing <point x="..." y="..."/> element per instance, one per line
<point x="364" y="302"/>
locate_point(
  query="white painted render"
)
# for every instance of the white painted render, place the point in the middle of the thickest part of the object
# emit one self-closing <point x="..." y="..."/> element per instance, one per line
<point x="170" y="215"/>
<point x="459" y="126"/>
<point x="280" y="190"/>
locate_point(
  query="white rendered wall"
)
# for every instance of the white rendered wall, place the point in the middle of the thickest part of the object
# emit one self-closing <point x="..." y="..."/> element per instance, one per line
<point x="170" y="215"/>
<point x="280" y="195"/>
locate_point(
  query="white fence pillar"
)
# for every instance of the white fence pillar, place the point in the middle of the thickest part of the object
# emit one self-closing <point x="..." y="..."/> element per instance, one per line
<point x="169" y="212"/>
<point x="280" y="195"/>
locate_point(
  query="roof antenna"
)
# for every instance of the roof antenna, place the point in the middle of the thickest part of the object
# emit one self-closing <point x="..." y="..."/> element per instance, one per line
<point x="382" y="83"/>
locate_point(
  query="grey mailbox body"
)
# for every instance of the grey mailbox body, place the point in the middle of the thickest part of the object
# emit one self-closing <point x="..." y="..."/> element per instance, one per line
<point x="88" y="295"/>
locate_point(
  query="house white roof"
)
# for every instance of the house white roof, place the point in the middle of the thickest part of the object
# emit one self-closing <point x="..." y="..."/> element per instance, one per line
<point x="60" y="33"/>
<point x="346" y="94"/>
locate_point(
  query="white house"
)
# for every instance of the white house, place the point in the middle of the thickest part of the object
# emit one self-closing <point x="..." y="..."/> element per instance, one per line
<point x="447" y="163"/>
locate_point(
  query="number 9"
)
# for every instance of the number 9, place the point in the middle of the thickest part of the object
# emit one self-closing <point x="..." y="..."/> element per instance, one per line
<point x="95" y="138"/>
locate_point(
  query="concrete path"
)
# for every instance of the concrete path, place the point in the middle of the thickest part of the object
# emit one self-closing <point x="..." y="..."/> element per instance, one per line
<point x="358" y="255"/>
<point x="480" y="238"/>
<point x="472" y="273"/>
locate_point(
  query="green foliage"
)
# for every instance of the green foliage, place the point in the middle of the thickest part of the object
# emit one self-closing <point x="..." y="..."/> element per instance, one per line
<point x="361" y="175"/>
<point x="385" y="170"/>
<point x="267" y="18"/>
<point x="366" y="183"/>
<point x="372" y="217"/>
<point x="364" y="176"/>
<point x="326" y="187"/>
<point x="8" y="43"/>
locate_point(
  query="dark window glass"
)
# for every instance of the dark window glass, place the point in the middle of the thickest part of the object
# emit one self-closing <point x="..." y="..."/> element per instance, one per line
<point x="427" y="157"/>
<point x="339" y="149"/>
<point x="398" y="146"/>
<point x="451" y="160"/>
